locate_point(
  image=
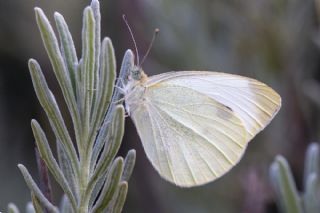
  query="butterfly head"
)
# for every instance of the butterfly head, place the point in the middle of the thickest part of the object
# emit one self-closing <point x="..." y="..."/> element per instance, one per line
<point x="137" y="74"/>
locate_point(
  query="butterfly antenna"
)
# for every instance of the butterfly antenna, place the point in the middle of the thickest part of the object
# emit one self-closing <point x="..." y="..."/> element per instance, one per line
<point x="155" y="33"/>
<point x="132" y="37"/>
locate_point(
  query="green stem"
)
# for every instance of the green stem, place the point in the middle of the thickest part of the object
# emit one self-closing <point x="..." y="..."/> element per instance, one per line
<point x="84" y="180"/>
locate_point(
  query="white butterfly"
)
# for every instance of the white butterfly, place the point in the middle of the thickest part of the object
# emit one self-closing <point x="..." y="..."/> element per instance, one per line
<point x="195" y="125"/>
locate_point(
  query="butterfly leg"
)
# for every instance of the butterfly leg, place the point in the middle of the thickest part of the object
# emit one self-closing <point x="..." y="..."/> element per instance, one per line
<point x="121" y="89"/>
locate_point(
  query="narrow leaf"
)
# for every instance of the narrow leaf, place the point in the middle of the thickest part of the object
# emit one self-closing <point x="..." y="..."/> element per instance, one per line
<point x="66" y="168"/>
<point x="105" y="87"/>
<point x="95" y="5"/>
<point x="35" y="189"/>
<point x="50" y="106"/>
<point x="37" y="205"/>
<point x="88" y="40"/>
<point x="97" y="189"/>
<point x="65" y="206"/>
<point x="51" y="44"/>
<point x="120" y="199"/>
<point x="129" y="163"/>
<point x="111" y="148"/>
<point x="126" y="67"/>
<point x="312" y="161"/>
<point x="68" y="48"/>
<point x="312" y="194"/>
<point x="284" y="186"/>
<point x="110" y="186"/>
<point x="115" y="135"/>
<point x="47" y="156"/>
<point x="79" y="85"/>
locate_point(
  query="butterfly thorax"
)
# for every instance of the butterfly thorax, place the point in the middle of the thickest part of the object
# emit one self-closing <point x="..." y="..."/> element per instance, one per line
<point x="135" y="89"/>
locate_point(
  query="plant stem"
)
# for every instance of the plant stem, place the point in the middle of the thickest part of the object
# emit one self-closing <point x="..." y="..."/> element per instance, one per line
<point x="84" y="180"/>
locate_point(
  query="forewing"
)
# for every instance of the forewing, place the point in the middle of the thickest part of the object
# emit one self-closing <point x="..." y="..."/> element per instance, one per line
<point x="252" y="101"/>
<point x="190" y="138"/>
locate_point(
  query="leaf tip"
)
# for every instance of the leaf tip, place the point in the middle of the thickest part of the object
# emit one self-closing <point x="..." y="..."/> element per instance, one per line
<point x="32" y="61"/>
<point x="37" y="9"/>
<point x="57" y="15"/>
<point x="279" y="158"/>
<point x="34" y="124"/>
<point x="132" y="152"/>
<point x="119" y="160"/>
<point x="39" y="12"/>
<point x="20" y="166"/>
<point x="106" y="41"/>
<point x="314" y="147"/>
<point x="95" y="3"/>
<point x="87" y="10"/>
<point x="124" y="184"/>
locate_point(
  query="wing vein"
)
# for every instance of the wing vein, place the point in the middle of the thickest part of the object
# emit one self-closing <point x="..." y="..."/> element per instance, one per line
<point x="153" y="134"/>
<point x="164" y="146"/>
<point x="199" y="134"/>
<point x="183" y="153"/>
<point x="258" y="106"/>
<point x="212" y="119"/>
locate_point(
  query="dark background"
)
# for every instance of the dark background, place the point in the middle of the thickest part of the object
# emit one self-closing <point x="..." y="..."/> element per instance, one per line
<point x="274" y="41"/>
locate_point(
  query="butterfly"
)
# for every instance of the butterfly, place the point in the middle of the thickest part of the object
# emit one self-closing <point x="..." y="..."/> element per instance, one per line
<point x="195" y="125"/>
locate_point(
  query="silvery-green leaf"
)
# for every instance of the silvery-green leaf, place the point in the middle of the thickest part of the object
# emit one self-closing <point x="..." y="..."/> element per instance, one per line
<point x="65" y="206"/>
<point x="119" y="200"/>
<point x="67" y="47"/>
<point x="126" y="67"/>
<point x="312" y="161"/>
<point x="66" y="168"/>
<point x="110" y="186"/>
<point x="36" y="204"/>
<point x="105" y="87"/>
<point x="50" y="106"/>
<point x="97" y="188"/>
<point x="36" y="191"/>
<point x="115" y="134"/>
<point x="129" y="163"/>
<point x="51" y="44"/>
<point x="79" y="85"/>
<point x="113" y="142"/>
<point x="95" y="5"/>
<point x="88" y="72"/>
<point x="284" y="186"/>
<point x="312" y="194"/>
<point x="47" y="156"/>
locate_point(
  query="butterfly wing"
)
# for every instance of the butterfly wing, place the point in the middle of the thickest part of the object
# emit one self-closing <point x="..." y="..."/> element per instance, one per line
<point x="191" y="133"/>
<point x="254" y="102"/>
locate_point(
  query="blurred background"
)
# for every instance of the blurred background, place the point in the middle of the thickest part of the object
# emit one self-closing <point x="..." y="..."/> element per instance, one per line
<point x="274" y="41"/>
